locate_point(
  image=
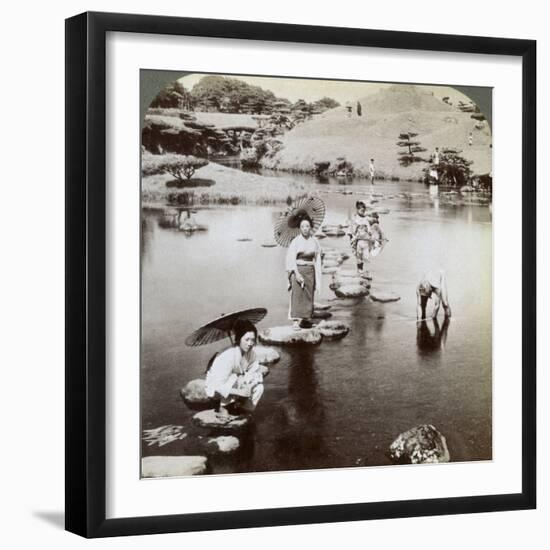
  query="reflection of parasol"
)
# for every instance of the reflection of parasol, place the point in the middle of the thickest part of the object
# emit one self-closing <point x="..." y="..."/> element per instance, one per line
<point x="288" y="225"/>
<point x="222" y="326"/>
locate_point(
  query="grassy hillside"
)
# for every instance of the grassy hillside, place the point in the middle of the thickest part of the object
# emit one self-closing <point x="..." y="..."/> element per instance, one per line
<point x="374" y="135"/>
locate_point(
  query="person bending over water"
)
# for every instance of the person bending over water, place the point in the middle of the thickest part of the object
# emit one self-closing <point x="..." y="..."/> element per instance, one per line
<point x="303" y="266"/>
<point x="427" y="289"/>
<point x="235" y="377"/>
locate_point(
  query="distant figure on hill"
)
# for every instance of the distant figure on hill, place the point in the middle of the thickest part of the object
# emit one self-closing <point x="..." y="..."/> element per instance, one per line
<point x="470" y="139"/>
<point x="359" y="109"/>
<point x="348" y="108"/>
<point x="372" y="171"/>
<point x="436" y="156"/>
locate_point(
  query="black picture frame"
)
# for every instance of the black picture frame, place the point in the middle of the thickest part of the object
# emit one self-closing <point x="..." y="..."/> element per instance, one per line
<point x="86" y="273"/>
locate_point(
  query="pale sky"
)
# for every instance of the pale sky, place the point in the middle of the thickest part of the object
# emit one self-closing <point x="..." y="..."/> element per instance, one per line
<point x="312" y="90"/>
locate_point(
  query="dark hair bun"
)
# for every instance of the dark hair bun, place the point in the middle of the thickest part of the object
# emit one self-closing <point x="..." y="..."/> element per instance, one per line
<point x="241" y="327"/>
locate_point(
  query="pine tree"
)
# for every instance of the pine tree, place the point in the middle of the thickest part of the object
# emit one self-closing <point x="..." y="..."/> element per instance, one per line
<point x="409" y="156"/>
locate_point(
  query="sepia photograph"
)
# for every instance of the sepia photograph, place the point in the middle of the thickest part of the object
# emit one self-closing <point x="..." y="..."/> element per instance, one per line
<point x="316" y="274"/>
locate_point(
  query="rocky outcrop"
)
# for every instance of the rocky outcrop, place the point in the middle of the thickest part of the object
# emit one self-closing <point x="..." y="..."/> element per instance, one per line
<point x="333" y="330"/>
<point x="423" y="444"/>
<point x="194" y="395"/>
<point x="211" y="419"/>
<point x="286" y="335"/>
<point x="173" y="466"/>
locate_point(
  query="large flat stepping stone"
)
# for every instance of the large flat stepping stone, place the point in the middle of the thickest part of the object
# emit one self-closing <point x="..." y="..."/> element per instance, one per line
<point x="224" y="444"/>
<point x="194" y="395"/>
<point x="318" y="306"/>
<point x="329" y="270"/>
<point x="173" y="466"/>
<point x="333" y="330"/>
<point x="212" y="419"/>
<point x="422" y="444"/>
<point x="351" y="291"/>
<point x="384" y="296"/>
<point x="266" y="356"/>
<point x="286" y="336"/>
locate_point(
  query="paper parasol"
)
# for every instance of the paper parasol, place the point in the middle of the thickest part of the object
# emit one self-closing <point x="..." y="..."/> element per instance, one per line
<point x="221" y="327"/>
<point x="288" y="225"/>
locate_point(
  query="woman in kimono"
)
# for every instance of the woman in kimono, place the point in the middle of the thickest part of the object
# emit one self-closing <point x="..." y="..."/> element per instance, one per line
<point x="303" y="265"/>
<point x="235" y="377"/>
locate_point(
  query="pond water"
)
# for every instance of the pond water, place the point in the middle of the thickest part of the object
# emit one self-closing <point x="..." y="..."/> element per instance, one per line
<point x="339" y="404"/>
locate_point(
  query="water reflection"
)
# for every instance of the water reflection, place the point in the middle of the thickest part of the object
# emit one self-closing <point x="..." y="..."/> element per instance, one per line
<point x="302" y="413"/>
<point x="429" y="341"/>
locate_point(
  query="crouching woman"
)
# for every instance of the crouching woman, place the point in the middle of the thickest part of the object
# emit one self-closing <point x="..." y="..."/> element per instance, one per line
<point x="235" y="377"/>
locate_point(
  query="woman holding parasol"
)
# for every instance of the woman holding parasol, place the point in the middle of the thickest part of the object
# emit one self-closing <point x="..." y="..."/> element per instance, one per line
<point x="303" y="260"/>
<point x="235" y="377"/>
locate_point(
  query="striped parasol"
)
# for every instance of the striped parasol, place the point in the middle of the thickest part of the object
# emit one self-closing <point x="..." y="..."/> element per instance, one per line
<point x="288" y="225"/>
<point x="222" y="326"/>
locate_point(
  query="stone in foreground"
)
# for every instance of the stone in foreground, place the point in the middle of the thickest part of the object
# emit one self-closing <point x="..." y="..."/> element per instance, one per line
<point x="194" y="395"/>
<point x="423" y="444"/>
<point x="333" y="330"/>
<point x="286" y="336"/>
<point x="320" y="306"/>
<point x="172" y="466"/>
<point x="266" y="356"/>
<point x="222" y="445"/>
<point x="382" y="296"/>
<point x="211" y="419"/>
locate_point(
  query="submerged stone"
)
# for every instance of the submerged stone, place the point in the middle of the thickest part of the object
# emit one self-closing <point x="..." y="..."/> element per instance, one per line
<point x="212" y="419"/>
<point x="333" y="330"/>
<point x="173" y="466"/>
<point x="423" y="444"/>
<point x="286" y="335"/>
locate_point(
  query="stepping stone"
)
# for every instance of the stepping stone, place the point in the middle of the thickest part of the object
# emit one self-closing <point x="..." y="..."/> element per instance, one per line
<point x="194" y="395"/>
<point x="330" y="263"/>
<point x="351" y="291"/>
<point x="173" y="466"/>
<point x="321" y="307"/>
<point x="224" y="444"/>
<point x="266" y="356"/>
<point x="244" y="239"/>
<point x="211" y="419"/>
<point x="269" y="245"/>
<point x="333" y="330"/>
<point x="422" y="444"/>
<point x="286" y="336"/>
<point x="329" y="270"/>
<point x="382" y="296"/>
<point x="321" y="314"/>
<point x="337" y="282"/>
